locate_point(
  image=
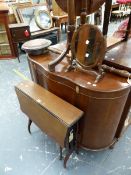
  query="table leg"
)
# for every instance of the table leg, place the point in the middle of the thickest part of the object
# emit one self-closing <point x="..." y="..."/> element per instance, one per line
<point x="29" y="125"/>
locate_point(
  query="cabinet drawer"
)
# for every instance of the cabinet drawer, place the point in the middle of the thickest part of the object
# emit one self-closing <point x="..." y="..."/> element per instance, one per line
<point x="19" y="32"/>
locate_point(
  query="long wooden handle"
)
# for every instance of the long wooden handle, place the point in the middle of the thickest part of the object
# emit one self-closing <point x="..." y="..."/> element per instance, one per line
<point x="71" y="19"/>
<point x="120" y="72"/>
<point x="83" y="12"/>
<point x="71" y="12"/>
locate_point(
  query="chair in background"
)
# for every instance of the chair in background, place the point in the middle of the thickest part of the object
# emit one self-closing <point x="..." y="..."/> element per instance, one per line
<point x="120" y="13"/>
<point x="60" y="18"/>
<point x="128" y="9"/>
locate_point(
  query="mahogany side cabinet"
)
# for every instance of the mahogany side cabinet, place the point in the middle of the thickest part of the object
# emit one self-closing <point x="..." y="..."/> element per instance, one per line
<point x="6" y="45"/>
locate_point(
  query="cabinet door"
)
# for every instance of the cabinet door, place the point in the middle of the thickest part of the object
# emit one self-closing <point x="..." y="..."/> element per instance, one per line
<point x="6" y="45"/>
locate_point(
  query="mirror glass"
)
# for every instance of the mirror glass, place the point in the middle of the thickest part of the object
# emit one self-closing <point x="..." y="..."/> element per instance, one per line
<point x="27" y="15"/>
<point x="88" y="46"/>
<point x="43" y="19"/>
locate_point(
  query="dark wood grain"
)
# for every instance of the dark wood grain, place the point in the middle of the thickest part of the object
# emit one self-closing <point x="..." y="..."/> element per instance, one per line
<point x="92" y="6"/>
<point x="120" y="56"/>
<point x="108" y="6"/>
<point x="102" y="103"/>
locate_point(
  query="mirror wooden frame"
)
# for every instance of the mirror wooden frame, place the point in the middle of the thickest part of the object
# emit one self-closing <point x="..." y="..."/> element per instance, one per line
<point x="39" y="22"/>
<point x="92" y="42"/>
<point x="27" y="15"/>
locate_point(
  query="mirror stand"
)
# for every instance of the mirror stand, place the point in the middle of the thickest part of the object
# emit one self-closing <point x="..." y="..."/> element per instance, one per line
<point x="86" y="43"/>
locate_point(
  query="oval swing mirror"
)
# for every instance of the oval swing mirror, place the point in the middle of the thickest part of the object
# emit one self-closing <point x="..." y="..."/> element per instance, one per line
<point x="43" y="19"/>
<point x="88" y="46"/>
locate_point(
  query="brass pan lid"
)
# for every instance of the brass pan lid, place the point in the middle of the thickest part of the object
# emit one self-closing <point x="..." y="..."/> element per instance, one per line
<point x="36" y="44"/>
<point x="92" y="5"/>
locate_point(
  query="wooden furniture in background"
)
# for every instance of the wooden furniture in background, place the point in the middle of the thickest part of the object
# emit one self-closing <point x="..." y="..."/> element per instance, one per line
<point x="20" y="33"/>
<point x="121" y="12"/>
<point x="6" y="44"/>
<point x="27" y="15"/>
<point x="117" y="13"/>
<point x="115" y="6"/>
<point x="120" y="56"/>
<point x="48" y="34"/>
<point x="59" y="21"/>
<point x="59" y="16"/>
<point x="113" y="42"/>
<point x="12" y="19"/>
<point x="14" y="7"/>
<point x="56" y="117"/>
<point x="57" y="11"/>
<point x="91" y="6"/>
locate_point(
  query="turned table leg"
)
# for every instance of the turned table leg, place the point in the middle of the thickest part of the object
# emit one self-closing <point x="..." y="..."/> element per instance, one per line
<point x="29" y="124"/>
<point x="61" y="153"/>
<point x="66" y="158"/>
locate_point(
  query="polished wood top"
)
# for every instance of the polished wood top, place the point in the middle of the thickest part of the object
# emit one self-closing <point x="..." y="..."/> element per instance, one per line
<point x="109" y="83"/>
<point x="17" y="25"/>
<point x="92" y="6"/>
<point x="62" y="110"/>
<point x="112" y="42"/>
<point x="120" y="56"/>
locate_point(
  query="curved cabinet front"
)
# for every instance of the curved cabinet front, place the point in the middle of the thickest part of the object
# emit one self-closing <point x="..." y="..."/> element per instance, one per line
<point x="102" y="103"/>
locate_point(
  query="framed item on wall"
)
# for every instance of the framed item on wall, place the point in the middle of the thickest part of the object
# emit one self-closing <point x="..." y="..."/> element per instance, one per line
<point x="14" y="8"/>
<point x="27" y="15"/>
<point x="43" y="19"/>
